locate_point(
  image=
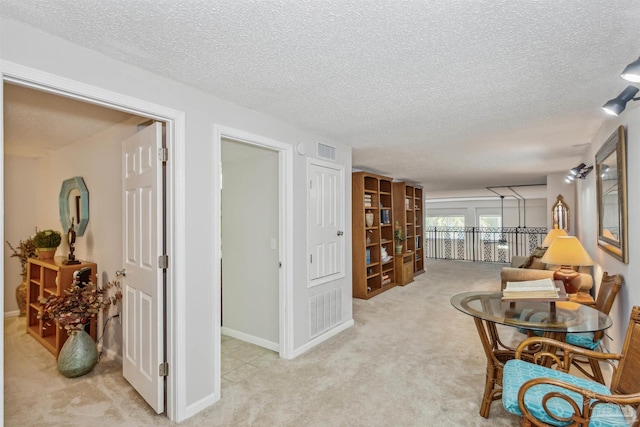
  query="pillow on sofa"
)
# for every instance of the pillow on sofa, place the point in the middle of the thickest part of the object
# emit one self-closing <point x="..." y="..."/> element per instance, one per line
<point x="534" y="259"/>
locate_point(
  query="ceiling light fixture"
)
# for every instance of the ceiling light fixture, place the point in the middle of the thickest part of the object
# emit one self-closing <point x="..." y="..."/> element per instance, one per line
<point x="580" y="172"/>
<point x="617" y="105"/>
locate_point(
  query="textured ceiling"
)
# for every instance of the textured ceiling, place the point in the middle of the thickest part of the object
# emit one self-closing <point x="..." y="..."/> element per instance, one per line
<point x="37" y="123"/>
<point x="456" y="94"/>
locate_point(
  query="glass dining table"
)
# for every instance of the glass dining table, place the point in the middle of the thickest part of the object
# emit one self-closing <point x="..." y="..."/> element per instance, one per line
<point x="551" y="319"/>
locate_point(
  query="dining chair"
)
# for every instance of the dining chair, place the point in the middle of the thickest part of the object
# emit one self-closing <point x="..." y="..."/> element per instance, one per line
<point x="609" y="287"/>
<point x="544" y="396"/>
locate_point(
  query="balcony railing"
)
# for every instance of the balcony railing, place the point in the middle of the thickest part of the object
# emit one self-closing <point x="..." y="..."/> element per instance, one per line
<point x="487" y="244"/>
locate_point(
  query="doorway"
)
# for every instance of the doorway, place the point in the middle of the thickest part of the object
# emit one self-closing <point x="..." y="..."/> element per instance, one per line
<point x="174" y="219"/>
<point x="250" y="243"/>
<point x="284" y="240"/>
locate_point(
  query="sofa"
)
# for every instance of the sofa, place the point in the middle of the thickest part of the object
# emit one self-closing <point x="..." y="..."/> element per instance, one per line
<point x="539" y="270"/>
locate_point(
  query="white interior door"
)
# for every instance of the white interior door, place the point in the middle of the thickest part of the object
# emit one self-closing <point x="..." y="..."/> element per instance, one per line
<point x="143" y="340"/>
<point x="326" y="223"/>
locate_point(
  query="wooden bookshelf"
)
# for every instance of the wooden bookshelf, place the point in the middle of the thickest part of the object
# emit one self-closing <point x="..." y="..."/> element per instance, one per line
<point x="408" y="202"/>
<point x="372" y="196"/>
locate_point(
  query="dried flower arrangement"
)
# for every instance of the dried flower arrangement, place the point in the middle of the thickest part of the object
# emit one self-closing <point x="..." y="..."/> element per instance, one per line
<point x="79" y="304"/>
<point x="25" y="249"/>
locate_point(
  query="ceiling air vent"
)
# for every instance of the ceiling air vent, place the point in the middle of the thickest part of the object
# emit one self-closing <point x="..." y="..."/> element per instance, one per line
<point x="326" y="151"/>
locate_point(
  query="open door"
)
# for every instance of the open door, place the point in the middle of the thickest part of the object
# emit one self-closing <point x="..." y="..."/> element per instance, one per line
<point x="143" y="282"/>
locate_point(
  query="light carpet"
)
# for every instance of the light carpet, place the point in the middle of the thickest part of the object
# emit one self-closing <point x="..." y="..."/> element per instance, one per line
<point x="410" y="360"/>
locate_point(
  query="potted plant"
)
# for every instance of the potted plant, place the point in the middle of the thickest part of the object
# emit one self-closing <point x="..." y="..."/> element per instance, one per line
<point x="47" y="241"/>
<point x="73" y="311"/>
<point x="399" y="236"/>
<point x="26" y="249"/>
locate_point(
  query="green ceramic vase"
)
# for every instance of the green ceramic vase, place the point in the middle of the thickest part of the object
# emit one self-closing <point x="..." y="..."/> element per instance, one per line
<point x="78" y="355"/>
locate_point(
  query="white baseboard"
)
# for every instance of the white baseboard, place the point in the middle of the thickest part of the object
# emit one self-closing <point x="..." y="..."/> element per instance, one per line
<point x="110" y="354"/>
<point x="198" y="406"/>
<point x="314" y="342"/>
<point x="250" y="339"/>
<point x="15" y="313"/>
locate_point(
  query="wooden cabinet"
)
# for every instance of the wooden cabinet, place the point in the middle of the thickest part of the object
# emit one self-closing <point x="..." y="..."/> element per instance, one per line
<point x="372" y="221"/>
<point x="404" y="269"/>
<point x="45" y="278"/>
<point x="408" y="205"/>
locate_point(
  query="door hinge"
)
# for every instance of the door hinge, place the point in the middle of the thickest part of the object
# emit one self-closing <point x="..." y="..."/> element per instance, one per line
<point x="310" y="185"/>
<point x="163" y="154"/>
<point x="279" y="265"/>
<point x="163" y="261"/>
<point x="163" y="369"/>
<point x="311" y="258"/>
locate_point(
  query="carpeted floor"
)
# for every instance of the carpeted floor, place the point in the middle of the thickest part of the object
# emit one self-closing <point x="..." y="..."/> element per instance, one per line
<point x="410" y="360"/>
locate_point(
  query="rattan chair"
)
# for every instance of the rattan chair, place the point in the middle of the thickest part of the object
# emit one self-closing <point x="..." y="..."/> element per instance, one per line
<point x="545" y="396"/>
<point x="609" y="287"/>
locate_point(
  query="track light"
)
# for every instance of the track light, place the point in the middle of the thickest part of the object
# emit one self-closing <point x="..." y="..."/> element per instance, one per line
<point x="580" y="172"/>
<point x="575" y="171"/>
<point x="617" y="105"/>
<point x="632" y="72"/>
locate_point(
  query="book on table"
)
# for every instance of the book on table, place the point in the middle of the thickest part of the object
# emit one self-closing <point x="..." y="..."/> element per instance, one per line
<point x="532" y="289"/>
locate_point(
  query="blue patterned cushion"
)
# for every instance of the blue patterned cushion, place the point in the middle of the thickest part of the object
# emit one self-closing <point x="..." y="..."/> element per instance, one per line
<point x="583" y="339"/>
<point x="536" y="317"/>
<point x="517" y="372"/>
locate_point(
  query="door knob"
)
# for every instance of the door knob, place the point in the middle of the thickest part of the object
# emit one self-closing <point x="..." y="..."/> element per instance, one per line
<point x="121" y="273"/>
<point x="340" y="233"/>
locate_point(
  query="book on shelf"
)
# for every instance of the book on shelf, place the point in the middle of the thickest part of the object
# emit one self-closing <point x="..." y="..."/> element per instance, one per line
<point x="385" y="216"/>
<point x="543" y="288"/>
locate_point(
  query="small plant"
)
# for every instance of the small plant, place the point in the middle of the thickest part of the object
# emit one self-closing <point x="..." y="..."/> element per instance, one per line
<point x="398" y="234"/>
<point x="25" y="249"/>
<point x="79" y="304"/>
<point x="47" y="239"/>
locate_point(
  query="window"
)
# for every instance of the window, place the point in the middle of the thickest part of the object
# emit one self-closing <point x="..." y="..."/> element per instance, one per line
<point x="490" y="221"/>
<point x="445" y="221"/>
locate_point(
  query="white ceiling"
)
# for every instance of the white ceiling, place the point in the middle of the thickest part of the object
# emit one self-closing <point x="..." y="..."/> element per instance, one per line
<point x="37" y="123"/>
<point x="455" y="94"/>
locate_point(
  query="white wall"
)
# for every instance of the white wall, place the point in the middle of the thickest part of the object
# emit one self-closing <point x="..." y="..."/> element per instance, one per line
<point x="250" y="218"/>
<point x="24" y="46"/>
<point x="20" y="218"/>
<point x="588" y="221"/>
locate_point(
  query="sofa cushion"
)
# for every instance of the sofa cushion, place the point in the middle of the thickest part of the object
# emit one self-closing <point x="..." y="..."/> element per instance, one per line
<point x="534" y="260"/>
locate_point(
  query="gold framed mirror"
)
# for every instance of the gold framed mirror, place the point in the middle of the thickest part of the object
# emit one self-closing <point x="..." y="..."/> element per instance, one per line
<point x="560" y="214"/>
<point x="611" y="187"/>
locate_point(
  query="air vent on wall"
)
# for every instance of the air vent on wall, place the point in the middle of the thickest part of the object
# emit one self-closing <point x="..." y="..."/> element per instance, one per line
<point x="325" y="311"/>
<point x="326" y="151"/>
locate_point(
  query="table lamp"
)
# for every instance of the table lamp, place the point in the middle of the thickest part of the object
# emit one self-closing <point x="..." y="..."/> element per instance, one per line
<point x="566" y="251"/>
<point x="552" y="234"/>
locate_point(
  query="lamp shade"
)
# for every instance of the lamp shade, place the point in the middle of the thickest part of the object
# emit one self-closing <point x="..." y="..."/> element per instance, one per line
<point x="632" y="72"/>
<point x="551" y="235"/>
<point x="617" y="105"/>
<point x="566" y="250"/>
